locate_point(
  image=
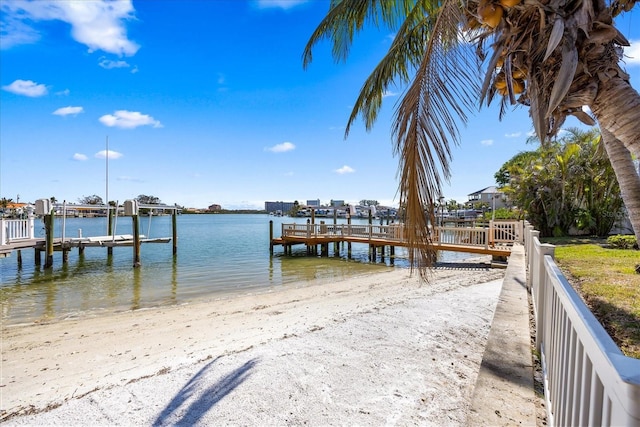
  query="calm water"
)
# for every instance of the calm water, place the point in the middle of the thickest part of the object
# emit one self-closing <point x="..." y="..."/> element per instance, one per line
<point x="218" y="255"/>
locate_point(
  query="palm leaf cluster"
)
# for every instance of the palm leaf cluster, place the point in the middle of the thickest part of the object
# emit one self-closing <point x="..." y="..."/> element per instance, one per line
<point x="565" y="185"/>
<point x="563" y="51"/>
<point x="552" y="56"/>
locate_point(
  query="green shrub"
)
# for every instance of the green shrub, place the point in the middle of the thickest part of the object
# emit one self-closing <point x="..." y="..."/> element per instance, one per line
<point x="622" y="241"/>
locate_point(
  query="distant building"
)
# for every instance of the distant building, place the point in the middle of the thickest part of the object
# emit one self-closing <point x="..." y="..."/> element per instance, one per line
<point x="313" y="202"/>
<point x="282" y="207"/>
<point x="489" y="197"/>
<point x="214" y="208"/>
<point x="337" y="203"/>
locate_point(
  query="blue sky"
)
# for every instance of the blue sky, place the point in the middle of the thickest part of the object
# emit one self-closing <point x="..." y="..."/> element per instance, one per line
<point x="207" y="102"/>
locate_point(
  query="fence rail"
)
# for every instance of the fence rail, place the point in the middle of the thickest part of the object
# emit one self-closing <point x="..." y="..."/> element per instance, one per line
<point x="496" y="233"/>
<point x="588" y="381"/>
<point x="16" y="229"/>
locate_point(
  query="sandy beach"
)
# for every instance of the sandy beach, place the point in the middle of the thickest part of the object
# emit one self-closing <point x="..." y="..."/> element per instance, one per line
<point x="375" y="349"/>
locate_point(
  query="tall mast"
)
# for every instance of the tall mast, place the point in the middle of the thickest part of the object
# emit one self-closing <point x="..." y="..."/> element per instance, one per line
<point x="107" y="175"/>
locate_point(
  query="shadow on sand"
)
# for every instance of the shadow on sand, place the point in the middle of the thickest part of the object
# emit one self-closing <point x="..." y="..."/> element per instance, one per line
<point x="205" y="399"/>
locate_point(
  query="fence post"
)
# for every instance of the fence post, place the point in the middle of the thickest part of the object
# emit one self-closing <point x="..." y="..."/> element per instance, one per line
<point x="3" y="232"/>
<point x="32" y="228"/>
<point x="540" y="289"/>
<point x="532" y="258"/>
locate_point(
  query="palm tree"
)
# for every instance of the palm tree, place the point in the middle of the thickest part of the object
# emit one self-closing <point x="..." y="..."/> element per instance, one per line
<point x="552" y="57"/>
<point x="627" y="176"/>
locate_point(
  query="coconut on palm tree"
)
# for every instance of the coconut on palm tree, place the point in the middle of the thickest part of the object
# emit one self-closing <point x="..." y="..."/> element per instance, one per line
<point x="552" y="57"/>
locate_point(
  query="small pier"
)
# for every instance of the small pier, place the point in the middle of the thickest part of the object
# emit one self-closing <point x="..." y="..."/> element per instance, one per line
<point x="19" y="234"/>
<point x="496" y="239"/>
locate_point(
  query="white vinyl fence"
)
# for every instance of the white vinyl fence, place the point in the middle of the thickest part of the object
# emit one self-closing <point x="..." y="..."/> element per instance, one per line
<point x="12" y="230"/>
<point x="588" y="381"/>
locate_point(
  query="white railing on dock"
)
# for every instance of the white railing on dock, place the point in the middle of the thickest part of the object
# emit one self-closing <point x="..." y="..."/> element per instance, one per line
<point x="588" y="381"/>
<point x="499" y="232"/>
<point x="506" y="231"/>
<point x="16" y="229"/>
<point x="466" y="236"/>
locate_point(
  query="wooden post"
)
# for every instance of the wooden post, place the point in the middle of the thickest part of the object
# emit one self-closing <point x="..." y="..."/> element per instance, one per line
<point x="38" y="257"/>
<point x="392" y="254"/>
<point x="65" y="254"/>
<point x="271" y="237"/>
<point x="136" y="241"/>
<point x="48" y="221"/>
<point x="336" y="247"/>
<point x="174" y="229"/>
<point x="19" y="259"/>
<point x="109" y="228"/>
<point x="349" y="243"/>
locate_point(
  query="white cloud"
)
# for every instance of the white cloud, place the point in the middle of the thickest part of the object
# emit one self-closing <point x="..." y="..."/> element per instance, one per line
<point x="63" y="92"/>
<point x="345" y="169"/>
<point x="487" y="142"/>
<point x="103" y="154"/>
<point x="632" y="53"/>
<point x="108" y="64"/>
<point x="80" y="157"/>
<point x="97" y="24"/>
<point x="281" y="148"/>
<point x="66" y="111"/>
<point x="129" y="120"/>
<point x="13" y="31"/>
<point x="389" y="93"/>
<point x="281" y="4"/>
<point x="134" y="69"/>
<point x="513" y="135"/>
<point x="26" y="88"/>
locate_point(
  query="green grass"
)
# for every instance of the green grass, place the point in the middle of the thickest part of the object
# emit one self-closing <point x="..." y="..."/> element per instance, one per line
<point x="607" y="281"/>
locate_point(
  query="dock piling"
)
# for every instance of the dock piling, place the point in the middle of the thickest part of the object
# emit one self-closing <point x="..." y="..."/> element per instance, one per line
<point x="110" y="227"/>
<point x="48" y="221"/>
<point x="174" y="230"/>
<point x="271" y="237"/>
<point x="136" y="241"/>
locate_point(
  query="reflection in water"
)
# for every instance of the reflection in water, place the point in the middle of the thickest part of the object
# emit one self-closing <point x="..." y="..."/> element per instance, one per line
<point x="174" y="279"/>
<point x="218" y="254"/>
<point x="135" y="302"/>
<point x="50" y="297"/>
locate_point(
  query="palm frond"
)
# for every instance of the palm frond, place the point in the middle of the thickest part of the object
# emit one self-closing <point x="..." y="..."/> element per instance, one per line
<point x="347" y="17"/>
<point x="396" y="67"/>
<point x="444" y="88"/>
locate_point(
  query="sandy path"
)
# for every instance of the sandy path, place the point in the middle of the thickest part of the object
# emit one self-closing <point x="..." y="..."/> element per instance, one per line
<point x="379" y="349"/>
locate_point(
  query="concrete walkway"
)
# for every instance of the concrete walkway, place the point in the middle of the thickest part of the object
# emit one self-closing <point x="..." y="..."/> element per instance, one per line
<point x="504" y="392"/>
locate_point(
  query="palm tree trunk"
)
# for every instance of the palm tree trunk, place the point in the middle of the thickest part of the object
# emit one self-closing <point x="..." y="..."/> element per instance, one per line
<point x="617" y="108"/>
<point x="627" y="176"/>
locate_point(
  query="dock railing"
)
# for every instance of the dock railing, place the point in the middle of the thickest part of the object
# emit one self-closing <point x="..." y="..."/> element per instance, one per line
<point x="12" y="230"/>
<point x="588" y="381"/>
<point x="498" y="232"/>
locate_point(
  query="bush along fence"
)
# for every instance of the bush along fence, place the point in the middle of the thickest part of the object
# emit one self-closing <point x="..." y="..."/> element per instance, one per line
<point x="587" y="379"/>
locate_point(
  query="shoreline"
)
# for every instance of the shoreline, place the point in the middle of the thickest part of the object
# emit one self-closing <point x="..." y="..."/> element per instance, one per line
<point x="51" y="370"/>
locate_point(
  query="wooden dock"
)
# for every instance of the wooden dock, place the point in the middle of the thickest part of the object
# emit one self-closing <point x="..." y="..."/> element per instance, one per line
<point x="495" y="240"/>
<point x="18" y="234"/>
